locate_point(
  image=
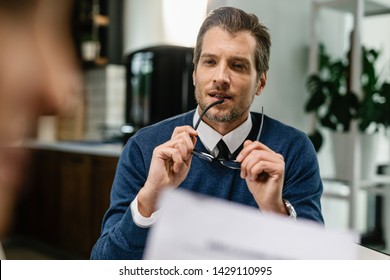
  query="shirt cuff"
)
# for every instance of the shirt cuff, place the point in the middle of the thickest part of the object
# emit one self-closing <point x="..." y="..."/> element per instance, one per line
<point x="140" y="220"/>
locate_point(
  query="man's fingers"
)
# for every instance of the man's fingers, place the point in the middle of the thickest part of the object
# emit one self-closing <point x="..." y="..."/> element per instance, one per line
<point x="183" y="144"/>
<point x="264" y="169"/>
<point x="171" y="156"/>
<point x="249" y="146"/>
<point x="260" y="161"/>
<point x="184" y="129"/>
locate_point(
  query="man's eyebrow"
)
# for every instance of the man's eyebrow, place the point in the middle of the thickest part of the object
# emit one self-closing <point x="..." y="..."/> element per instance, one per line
<point x="238" y="58"/>
<point x="207" y="55"/>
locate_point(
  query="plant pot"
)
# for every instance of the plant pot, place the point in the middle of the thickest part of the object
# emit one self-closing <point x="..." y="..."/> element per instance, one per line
<point x="343" y="154"/>
<point x="343" y="150"/>
<point x="369" y="148"/>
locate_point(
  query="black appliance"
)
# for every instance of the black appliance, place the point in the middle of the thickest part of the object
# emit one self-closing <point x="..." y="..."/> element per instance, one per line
<point x="158" y="85"/>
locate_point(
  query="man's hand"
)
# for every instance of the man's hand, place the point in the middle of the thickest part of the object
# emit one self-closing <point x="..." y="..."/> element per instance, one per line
<point x="169" y="167"/>
<point x="263" y="171"/>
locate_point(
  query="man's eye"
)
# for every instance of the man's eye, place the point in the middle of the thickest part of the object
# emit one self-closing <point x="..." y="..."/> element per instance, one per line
<point x="209" y="62"/>
<point x="239" y="66"/>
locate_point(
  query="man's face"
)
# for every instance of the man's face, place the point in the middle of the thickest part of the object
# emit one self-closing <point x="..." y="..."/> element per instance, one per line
<point x="226" y="70"/>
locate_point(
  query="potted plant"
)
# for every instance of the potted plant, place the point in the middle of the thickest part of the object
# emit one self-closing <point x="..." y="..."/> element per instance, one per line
<point x="335" y="106"/>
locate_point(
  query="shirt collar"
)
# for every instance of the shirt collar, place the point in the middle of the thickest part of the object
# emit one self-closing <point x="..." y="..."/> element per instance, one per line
<point x="211" y="137"/>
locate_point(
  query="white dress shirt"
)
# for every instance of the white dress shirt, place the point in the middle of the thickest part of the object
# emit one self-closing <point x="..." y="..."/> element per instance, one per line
<point x="233" y="139"/>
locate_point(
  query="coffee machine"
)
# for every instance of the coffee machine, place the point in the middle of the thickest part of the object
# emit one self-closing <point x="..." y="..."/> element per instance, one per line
<point x="158" y="85"/>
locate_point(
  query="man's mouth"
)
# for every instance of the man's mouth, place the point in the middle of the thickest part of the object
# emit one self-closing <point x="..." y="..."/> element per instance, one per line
<point x="220" y="96"/>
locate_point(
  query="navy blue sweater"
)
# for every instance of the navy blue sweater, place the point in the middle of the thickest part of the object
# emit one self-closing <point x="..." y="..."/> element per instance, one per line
<point x="121" y="238"/>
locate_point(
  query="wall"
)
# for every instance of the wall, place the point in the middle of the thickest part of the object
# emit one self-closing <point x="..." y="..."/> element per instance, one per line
<point x="142" y="24"/>
<point x="154" y="22"/>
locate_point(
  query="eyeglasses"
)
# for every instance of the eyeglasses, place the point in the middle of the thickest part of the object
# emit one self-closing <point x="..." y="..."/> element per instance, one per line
<point x="232" y="164"/>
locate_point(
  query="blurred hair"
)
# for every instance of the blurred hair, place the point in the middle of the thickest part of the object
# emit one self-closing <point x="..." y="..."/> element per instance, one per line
<point x="16" y="6"/>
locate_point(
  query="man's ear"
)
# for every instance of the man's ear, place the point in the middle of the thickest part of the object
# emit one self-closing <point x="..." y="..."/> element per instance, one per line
<point x="262" y="83"/>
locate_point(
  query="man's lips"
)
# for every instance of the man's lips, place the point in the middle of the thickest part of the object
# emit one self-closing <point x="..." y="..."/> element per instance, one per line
<point x="220" y="95"/>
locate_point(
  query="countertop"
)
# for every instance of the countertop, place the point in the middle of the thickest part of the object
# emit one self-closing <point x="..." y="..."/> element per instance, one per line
<point x="87" y="147"/>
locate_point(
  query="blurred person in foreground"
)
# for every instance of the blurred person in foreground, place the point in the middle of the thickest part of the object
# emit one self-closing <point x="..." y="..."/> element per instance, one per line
<point x="267" y="165"/>
<point x="39" y="75"/>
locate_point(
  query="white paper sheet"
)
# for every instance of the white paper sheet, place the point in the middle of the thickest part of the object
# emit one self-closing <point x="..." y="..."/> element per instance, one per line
<point x="193" y="226"/>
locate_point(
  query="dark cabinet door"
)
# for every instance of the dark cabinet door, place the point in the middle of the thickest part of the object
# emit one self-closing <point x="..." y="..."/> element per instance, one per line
<point x="75" y="203"/>
<point x="39" y="205"/>
<point x="104" y="169"/>
<point x="64" y="200"/>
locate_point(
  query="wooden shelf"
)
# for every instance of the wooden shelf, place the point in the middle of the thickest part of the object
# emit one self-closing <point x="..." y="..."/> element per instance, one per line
<point x="377" y="180"/>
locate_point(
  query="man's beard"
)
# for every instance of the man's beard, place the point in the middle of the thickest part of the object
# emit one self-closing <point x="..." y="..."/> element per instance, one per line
<point x="230" y="116"/>
<point x="227" y="117"/>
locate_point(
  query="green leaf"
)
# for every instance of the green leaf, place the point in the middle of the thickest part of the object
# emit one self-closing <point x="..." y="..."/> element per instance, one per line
<point x="317" y="140"/>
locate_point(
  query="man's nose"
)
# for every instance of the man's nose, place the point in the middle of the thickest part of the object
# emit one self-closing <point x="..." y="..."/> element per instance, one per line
<point x="222" y="75"/>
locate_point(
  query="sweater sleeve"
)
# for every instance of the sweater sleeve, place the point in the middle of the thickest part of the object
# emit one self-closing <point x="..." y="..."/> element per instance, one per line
<point x="303" y="186"/>
<point x="121" y="238"/>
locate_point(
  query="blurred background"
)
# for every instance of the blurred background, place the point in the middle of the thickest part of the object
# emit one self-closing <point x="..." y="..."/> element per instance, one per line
<point x="136" y="60"/>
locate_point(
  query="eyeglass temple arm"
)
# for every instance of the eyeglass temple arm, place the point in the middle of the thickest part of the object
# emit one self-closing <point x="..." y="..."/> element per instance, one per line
<point x="261" y="125"/>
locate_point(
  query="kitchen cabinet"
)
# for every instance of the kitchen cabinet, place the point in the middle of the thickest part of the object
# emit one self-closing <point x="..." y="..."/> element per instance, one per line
<point x="64" y="200"/>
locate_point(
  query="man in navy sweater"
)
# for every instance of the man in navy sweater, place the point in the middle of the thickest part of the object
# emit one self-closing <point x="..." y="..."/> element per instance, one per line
<point x="262" y="163"/>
